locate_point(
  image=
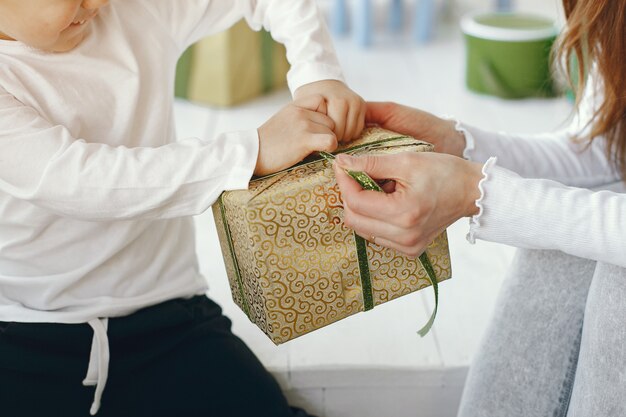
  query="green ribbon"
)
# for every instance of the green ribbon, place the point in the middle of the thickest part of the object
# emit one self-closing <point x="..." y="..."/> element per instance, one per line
<point x="364" y="272"/>
<point x="369" y="184"/>
<point x="231" y="247"/>
<point x="430" y="272"/>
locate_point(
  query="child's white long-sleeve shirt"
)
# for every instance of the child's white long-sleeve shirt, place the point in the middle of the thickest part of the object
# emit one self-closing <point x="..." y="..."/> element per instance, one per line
<point x="96" y="192"/>
<point x="550" y="192"/>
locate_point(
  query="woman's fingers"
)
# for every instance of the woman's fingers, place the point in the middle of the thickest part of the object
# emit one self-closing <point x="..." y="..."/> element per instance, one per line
<point x="369" y="203"/>
<point x="349" y="187"/>
<point x="413" y="252"/>
<point x="429" y="192"/>
<point x="381" y="167"/>
<point x="388" y="186"/>
<point x="368" y="227"/>
<point x="409" y="241"/>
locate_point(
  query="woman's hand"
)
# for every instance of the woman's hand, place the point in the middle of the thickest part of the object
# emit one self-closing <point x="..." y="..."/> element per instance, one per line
<point x="293" y="133"/>
<point x="419" y="124"/>
<point x="345" y="107"/>
<point x="429" y="192"/>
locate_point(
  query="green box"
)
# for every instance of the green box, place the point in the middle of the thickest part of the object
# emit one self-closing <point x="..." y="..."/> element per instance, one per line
<point x="509" y="54"/>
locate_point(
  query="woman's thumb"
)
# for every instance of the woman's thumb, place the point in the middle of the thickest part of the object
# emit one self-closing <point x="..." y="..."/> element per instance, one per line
<point x="376" y="166"/>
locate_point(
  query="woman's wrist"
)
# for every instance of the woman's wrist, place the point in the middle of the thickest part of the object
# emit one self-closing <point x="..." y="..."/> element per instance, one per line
<point x="454" y="139"/>
<point x="473" y="176"/>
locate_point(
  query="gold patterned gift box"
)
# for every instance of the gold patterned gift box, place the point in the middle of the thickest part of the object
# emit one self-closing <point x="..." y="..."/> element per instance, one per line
<point x="294" y="267"/>
<point x="231" y="67"/>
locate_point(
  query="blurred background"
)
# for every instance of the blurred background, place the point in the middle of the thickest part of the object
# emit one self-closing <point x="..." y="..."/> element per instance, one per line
<point x="374" y="363"/>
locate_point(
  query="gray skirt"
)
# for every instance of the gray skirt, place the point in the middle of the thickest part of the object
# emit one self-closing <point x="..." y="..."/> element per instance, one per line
<point x="556" y="345"/>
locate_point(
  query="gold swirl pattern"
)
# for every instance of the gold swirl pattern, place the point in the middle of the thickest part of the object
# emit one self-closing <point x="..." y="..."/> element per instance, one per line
<point x="296" y="260"/>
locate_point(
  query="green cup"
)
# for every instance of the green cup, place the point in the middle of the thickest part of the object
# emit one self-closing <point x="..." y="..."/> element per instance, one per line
<point x="508" y="54"/>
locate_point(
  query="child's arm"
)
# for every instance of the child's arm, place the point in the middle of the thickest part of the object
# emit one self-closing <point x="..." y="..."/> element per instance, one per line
<point x="299" y="25"/>
<point x="45" y="165"/>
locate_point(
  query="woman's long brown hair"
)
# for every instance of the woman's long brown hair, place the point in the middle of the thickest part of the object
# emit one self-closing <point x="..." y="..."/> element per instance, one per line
<point x="596" y="33"/>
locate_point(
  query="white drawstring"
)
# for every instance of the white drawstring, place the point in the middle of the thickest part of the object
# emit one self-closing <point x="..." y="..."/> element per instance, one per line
<point x="98" y="370"/>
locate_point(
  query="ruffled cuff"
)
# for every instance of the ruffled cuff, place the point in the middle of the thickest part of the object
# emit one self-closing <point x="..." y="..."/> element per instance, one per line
<point x="475" y="220"/>
<point x="470" y="143"/>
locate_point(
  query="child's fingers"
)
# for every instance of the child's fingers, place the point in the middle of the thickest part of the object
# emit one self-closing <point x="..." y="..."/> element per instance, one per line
<point x="314" y="102"/>
<point x="326" y="142"/>
<point x="322" y="107"/>
<point x="361" y="126"/>
<point x="355" y="122"/>
<point x="318" y="128"/>
<point x="338" y="111"/>
<point x="320" y="119"/>
<point x="350" y="124"/>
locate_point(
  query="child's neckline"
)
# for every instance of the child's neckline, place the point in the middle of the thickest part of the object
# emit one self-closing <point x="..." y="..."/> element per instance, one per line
<point x="5" y="43"/>
<point x="9" y="42"/>
<point x="21" y="46"/>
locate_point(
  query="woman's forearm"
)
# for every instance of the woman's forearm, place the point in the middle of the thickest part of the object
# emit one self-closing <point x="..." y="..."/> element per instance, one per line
<point x="553" y="156"/>
<point x="544" y="214"/>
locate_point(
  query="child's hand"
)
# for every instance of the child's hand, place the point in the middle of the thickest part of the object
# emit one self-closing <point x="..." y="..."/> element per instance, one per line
<point x="297" y="130"/>
<point x="345" y="107"/>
